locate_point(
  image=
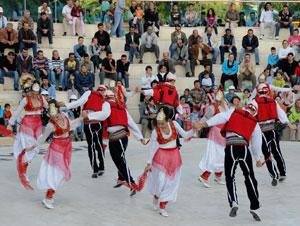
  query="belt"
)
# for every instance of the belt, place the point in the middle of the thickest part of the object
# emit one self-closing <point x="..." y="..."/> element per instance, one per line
<point x="267" y="127"/>
<point x="86" y="121"/>
<point x="117" y="135"/>
<point x="237" y="141"/>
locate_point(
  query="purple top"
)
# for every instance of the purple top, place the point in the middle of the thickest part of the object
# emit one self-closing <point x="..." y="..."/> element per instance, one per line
<point x="211" y="20"/>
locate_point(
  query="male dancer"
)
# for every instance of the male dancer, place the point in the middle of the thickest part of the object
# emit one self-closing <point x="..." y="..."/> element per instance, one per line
<point x="240" y="129"/>
<point x="94" y="103"/>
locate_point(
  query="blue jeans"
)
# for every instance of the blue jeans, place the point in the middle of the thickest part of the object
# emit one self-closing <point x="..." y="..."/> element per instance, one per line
<point x="14" y="74"/>
<point x="140" y="27"/>
<point x="103" y="75"/>
<point x="171" y="48"/>
<point x="67" y="75"/>
<point x="180" y="122"/>
<point x="298" y="80"/>
<point x="38" y="74"/>
<point x="120" y="76"/>
<point x="132" y="52"/>
<point x="28" y="46"/>
<point x="215" y="52"/>
<point x="251" y="51"/>
<point x="118" y="24"/>
<point x="194" y="23"/>
<point x="52" y="78"/>
<point x="280" y="25"/>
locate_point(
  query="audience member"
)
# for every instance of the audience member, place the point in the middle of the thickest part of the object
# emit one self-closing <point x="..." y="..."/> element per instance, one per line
<point x="272" y="59"/>
<point x="228" y="44"/>
<point x="284" y="50"/>
<point x="181" y="57"/>
<point x="71" y="86"/>
<point x="107" y="21"/>
<point x="123" y="70"/>
<point x="67" y="17"/>
<point x="193" y="38"/>
<point x="297" y="73"/>
<point x="186" y="111"/>
<point x="103" y="38"/>
<point x="95" y="53"/>
<point x="211" y="20"/>
<point x="162" y="73"/>
<point x="8" y="39"/>
<point x="24" y="62"/>
<point x="211" y="40"/>
<point x="175" y="36"/>
<point x="139" y="14"/>
<point x="245" y="99"/>
<point x="132" y="43"/>
<point x="247" y="72"/>
<point x="87" y="62"/>
<point x="108" y="68"/>
<point x="205" y="105"/>
<point x="288" y="67"/>
<point x="71" y="66"/>
<point x="252" y="22"/>
<point x="56" y="67"/>
<point x="279" y="81"/>
<point x="294" y="42"/>
<point x="118" y="18"/>
<point x="194" y="55"/>
<point x="207" y="68"/>
<point x="176" y="18"/>
<point x="80" y="49"/>
<point x="232" y="17"/>
<point x="249" y="45"/>
<point x="267" y="20"/>
<point x="206" y="82"/>
<point x="85" y="80"/>
<point x="169" y="63"/>
<point x="151" y="18"/>
<point x="40" y="66"/>
<point x="44" y="28"/>
<point x="44" y="8"/>
<point x="105" y="5"/>
<point x="285" y="20"/>
<point x="27" y="39"/>
<point x="294" y="119"/>
<point x="26" y="19"/>
<point x="48" y="87"/>
<point x="197" y="95"/>
<point x="148" y="113"/>
<point x="149" y="43"/>
<point x="191" y="16"/>
<point x="230" y="94"/>
<point x="287" y="99"/>
<point x="269" y="76"/>
<point x="230" y="69"/>
<point x="147" y="79"/>
<point x="77" y="14"/>
<point x="3" y="19"/>
<point x="9" y="68"/>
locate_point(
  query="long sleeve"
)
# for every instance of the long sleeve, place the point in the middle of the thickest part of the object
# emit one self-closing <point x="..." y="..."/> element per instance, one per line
<point x="153" y="146"/>
<point x="134" y="128"/>
<point x="233" y="42"/>
<point x="184" y="134"/>
<point x="80" y="102"/>
<point x="256" y="142"/>
<point x="18" y="111"/>
<point x="281" y="115"/>
<point x="149" y="92"/>
<point x="100" y="115"/>
<point x="220" y="118"/>
<point x="50" y="128"/>
<point x="74" y="124"/>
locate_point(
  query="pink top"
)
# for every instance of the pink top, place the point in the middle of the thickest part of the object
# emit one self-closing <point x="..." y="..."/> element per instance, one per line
<point x="211" y="20"/>
<point x="294" y="41"/>
<point x="186" y="110"/>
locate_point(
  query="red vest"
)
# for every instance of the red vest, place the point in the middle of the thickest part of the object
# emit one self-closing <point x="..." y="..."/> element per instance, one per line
<point x="94" y="102"/>
<point x="267" y="109"/>
<point x="268" y="94"/>
<point x="29" y="106"/>
<point x="161" y="139"/>
<point x="217" y="110"/>
<point x="118" y="116"/>
<point x="165" y="93"/>
<point x="60" y="131"/>
<point x="242" y="123"/>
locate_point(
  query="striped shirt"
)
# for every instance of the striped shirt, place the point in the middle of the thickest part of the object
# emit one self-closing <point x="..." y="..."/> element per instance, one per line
<point x="56" y="63"/>
<point x="40" y="63"/>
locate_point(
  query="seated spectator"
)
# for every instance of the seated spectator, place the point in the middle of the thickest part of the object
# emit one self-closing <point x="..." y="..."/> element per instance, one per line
<point x="211" y="20"/>
<point x="287" y="99"/>
<point x="8" y="39"/>
<point x="187" y="97"/>
<point x="149" y="43"/>
<point x="44" y="8"/>
<point x="44" y="28"/>
<point x="107" y="22"/>
<point x="267" y="20"/>
<point x="40" y="66"/>
<point x="207" y="68"/>
<point x="151" y="18"/>
<point x="253" y="21"/>
<point x="26" y="19"/>
<point x="247" y="72"/>
<point x="194" y="55"/>
<point x="175" y="36"/>
<point x="95" y="53"/>
<point x="132" y="43"/>
<point x="229" y="69"/>
<point x="294" y="42"/>
<point x="162" y="73"/>
<point x="7" y="115"/>
<point x="193" y="38"/>
<point x="232" y="17"/>
<point x="227" y="44"/>
<point x="147" y="79"/>
<point x="80" y="49"/>
<point x="230" y="94"/>
<point x="67" y="17"/>
<point x="71" y="66"/>
<point x="169" y="63"/>
<point x="211" y="40"/>
<point x="87" y="62"/>
<point x="48" y="87"/>
<point x="176" y="18"/>
<point x="249" y="45"/>
<point x="294" y="119"/>
<point x="108" y="68"/>
<point x="242" y="22"/>
<point x="71" y="86"/>
<point x="245" y="99"/>
<point x="123" y="70"/>
<point x="85" y="80"/>
<point x="284" y="51"/>
<point x="288" y="67"/>
<point x="191" y="16"/>
<point x="27" y="39"/>
<point x="236" y="102"/>
<point x="181" y="57"/>
<point x="148" y="113"/>
<point x="77" y="14"/>
<point x="56" y="67"/>
<point x="9" y="68"/>
<point x="205" y="105"/>
<point x="118" y="18"/>
<point x="273" y="59"/>
<point x="297" y="73"/>
<point x="285" y="20"/>
<point x="103" y="38"/>
<point x="182" y="118"/>
<point x="3" y="19"/>
<point x="24" y="62"/>
<point x="206" y="82"/>
<point x="269" y="76"/>
<point x="279" y="81"/>
<point x="197" y="95"/>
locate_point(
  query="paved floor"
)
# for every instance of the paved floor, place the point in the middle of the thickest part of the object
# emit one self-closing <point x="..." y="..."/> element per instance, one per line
<point x="86" y="201"/>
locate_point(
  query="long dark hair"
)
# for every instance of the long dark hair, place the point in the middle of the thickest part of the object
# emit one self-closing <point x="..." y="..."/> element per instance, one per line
<point x="213" y="12"/>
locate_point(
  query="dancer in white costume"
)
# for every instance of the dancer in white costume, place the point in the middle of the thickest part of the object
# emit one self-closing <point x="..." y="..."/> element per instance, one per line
<point x="213" y="160"/>
<point x="30" y="129"/>
<point x="164" y="161"/>
<point x="54" y="169"/>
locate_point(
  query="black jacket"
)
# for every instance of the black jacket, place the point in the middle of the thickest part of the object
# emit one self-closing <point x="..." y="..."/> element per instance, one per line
<point x="41" y="24"/>
<point x="104" y="39"/>
<point x="136" y="39"/>
<point x="20" y="63"/>
<point x="246" y="43"/>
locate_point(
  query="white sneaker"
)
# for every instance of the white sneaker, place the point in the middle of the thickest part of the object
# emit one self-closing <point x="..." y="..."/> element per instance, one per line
<point x="255" y="215"/>
<point x="48" y="203"/>
<point x="155" y="203"/>
<point x="234" y="209"/>
<point x="163" y="213"/>
<point x="50" y="46"/>
<point x="38" y="46"/>
<point x="219" y="180"/>
<point x="276" y="38"/>
<point x="261" y="37"/>
<point x="204" y="182"/>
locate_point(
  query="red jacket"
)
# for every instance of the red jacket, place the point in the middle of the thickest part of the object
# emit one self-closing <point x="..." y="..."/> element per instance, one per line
<point x="165" y="94"/>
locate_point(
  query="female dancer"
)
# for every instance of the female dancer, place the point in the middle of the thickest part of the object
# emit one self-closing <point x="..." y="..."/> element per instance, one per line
<point x="164" y="164"/>
<point x="55" y="170"/>
<point x="30" y="129"/>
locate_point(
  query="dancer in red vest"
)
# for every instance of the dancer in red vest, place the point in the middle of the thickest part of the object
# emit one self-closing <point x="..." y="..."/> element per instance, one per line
<point x="240" y="130"/>
<point x="94" y="103"/>
<point x="30" y="129"/>
<point x="54" y="169"/>
<point x="268" y="114"/>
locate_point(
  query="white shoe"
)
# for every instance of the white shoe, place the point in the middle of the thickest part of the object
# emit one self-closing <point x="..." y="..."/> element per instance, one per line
<point x="155" y="204"/>
<point x="163" y="213"/>
<point x="38" y="46"/>
<point x="48" y="203"/>
<point x="276" y="37"/>
<point x="255" y="215"/>
<point x="204" y="182"/>
<point x="50" y="46"/>
<point x="219" y="180"/>
<point x="234" y="209"/>
<point x="271" y="37"/>
<point x="261" y="37"/>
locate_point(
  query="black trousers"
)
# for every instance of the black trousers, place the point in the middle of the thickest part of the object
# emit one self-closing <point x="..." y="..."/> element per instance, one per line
<point x="233" y="78"/>
<point x="4" y="46"/>
<point x="270" y="146"/>
<point x="93" y="133"/>
<point x="117" y="151"/>
<point x="235" y="155"/>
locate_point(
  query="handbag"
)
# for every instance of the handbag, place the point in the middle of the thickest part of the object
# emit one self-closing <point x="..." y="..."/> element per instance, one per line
<point x="154" y="28"/>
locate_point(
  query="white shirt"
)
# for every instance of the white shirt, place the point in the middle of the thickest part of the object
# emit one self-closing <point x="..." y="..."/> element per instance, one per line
<point x="267" y="16"/>
<point x="3" y="22"/>
<point x="282" y="53"/>
<point x="48" y="11"/>
<point x="256" y="136"/>
<point x="67" y="11"/>
<point x="146" y="81"/>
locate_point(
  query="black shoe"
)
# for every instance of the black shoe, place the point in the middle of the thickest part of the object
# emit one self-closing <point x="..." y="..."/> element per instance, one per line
<point x="157" y="61"/>
<point x="255" y="215"/>
<point x="187" y="75"/>
<point x="132" y="192"/>
<point x="101" y="173"/>
<point x="76" y="34"/>
<point x="94" y="175"/>
<point x="117" y="185"/>
<point x="282" y="178"/>
<point x="60" y="89"/>
<point x="274" y="182"/>
<point x="16" y="89"/>
<point x="131" y="61"/>
<point x="141" y="61"/>
<point x="257" y="63"/>
<point x="233" y="211"/>
<point x="65" y="34"/>
<point x="65" y="89"/>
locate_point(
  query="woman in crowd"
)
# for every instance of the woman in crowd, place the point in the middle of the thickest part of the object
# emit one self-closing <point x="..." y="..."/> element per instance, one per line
<point x="245" y="97"/>
<point x="294" y="118"/>
<point x="151" y="18"/>
<point x="182" y="119"/>
<point x="95" y="53"/>
<point x="211" y="20"/>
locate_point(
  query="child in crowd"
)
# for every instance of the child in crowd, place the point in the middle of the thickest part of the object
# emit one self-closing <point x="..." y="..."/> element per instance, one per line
<point x="270" y="78"/>
<point x="77" y="14"/>
<point x="279" y="81"/>
<point x="71" y="86"/>
<point x="26" y="86"/>
<point x="230" y="94"/>
<point x="104" y="7"/>
<point x="273" y="60"/>
<point x="107" y="21"/>
<point x="245" y="97"/>
<point x="181" y="118"/>
<point x="206" y="82"/>
<point x="297" y="73"/>
<point x="187" y="97"/>
<point x="139" y="14"/>
<point x="7" y="115"/>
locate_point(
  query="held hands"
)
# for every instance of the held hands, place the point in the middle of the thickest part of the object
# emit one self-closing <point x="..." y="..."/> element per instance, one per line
<point x="61" y="104"/>
<point x="147" y="168"/>
<point x="143" y="141"/>
<point x="84" y="114"/>
<point x="292" y="128"/>
<point x="138" y="90"/>
<point x="258" y="163"/>
<point x="29" y="149"/>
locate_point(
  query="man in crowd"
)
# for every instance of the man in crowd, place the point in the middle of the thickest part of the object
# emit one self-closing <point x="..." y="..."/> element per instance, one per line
<point x="26" y="19"/>
<point x="211" y="40"/>
<point x="197" y="95"/>
<point x="149" y="43"/>
<point x="67" y="18"/>
<point x="181" y="56"/>
<point x="71" y="66"/>
<point x="132" y="43"/>
<point x="285" y="20"/>
<point x="247" y="72"/>
<point x="103" y="38"/>
<point x="288" y="67"/>
<point x="48" y="87"/>
<point x="56" y="68"/>
<point x="169" y="63"/>
<point x="207" y="69"/>
<point x="87" y="62"/>
<point x="193" y="38"/>
<point x="9" y="68"/>
<point x="80" y="49"/>
<point x="24" y="62"/>
<point x="9" y="39"/>
<point x="123" y="70"/>
<point x="44" y="28"/>
<point x="191" y="16"/>
<point x="27" y="39"/>
<point x="108" y="68"/>
<point x="175" y="36"/>
<point x="228" y="44"/>
<point x="40" y="66"/>
<point x="249" y="45"/>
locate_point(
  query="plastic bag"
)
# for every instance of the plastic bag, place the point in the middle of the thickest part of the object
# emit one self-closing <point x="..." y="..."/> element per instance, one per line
<point x="128" y="16"/>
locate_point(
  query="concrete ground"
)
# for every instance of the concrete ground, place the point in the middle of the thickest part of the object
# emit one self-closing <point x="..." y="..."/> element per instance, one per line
<point x="86" y="201"/>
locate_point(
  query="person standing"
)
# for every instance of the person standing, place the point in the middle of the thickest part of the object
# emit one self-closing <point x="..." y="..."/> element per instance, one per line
<point x="77" y="14"/>
<point x="118" y="18"/>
